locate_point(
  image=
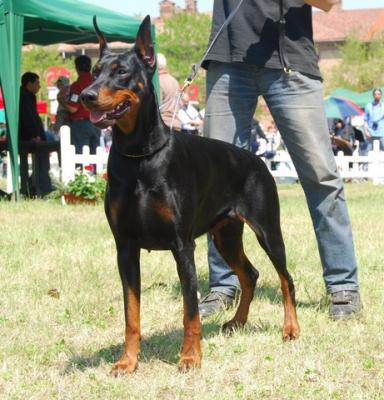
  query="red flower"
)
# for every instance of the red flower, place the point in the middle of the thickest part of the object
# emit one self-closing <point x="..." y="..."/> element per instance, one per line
<point x="89" y="168"/>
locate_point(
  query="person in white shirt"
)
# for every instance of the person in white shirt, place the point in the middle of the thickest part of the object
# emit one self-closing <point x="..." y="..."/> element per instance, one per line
<point x="189" y="117"/>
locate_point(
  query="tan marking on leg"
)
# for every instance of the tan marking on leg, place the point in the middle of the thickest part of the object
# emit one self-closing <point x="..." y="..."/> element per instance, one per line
<point x="247" y="290"/>
<point x="129" y="360"/>
<point x="239" y="266"/>
<point x="291" y="329"/>
<point x="190" y="356"/>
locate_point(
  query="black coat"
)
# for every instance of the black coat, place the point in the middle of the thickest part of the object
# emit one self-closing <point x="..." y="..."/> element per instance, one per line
<point x="30" y="123"/>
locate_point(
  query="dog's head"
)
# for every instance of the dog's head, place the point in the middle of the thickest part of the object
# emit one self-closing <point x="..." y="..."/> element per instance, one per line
<point x="120" y="81"/>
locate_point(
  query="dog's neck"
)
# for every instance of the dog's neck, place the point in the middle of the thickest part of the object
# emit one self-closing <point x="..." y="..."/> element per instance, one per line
<point x="149" y="134"/>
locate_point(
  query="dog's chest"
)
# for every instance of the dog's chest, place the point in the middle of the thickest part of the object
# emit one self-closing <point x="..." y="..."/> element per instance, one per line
<point x="142" y="214"/>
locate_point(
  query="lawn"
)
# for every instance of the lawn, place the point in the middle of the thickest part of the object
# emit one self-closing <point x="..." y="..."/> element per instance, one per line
<point x="61" y="313"/>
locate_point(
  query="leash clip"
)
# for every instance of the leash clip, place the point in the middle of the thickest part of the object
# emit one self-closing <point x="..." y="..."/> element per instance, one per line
<point x="191" y="77"/>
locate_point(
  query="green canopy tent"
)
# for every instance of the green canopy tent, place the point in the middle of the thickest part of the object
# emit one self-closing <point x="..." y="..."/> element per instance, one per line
<point x="46" y="22"/>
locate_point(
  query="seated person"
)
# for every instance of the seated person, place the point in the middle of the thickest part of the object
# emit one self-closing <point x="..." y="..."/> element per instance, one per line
<point x="341" y="138"/>
<point x="31" y="129"/>
<point x="189" y="117"/>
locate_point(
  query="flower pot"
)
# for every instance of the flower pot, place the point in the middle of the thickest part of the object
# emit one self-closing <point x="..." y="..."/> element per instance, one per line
<point x="70" y="198"/>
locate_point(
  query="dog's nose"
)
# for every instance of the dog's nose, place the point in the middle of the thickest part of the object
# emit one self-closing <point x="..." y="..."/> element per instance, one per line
<point x="88" y="96"/>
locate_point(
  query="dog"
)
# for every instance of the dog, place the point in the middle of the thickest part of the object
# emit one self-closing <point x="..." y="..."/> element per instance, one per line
<point x="165" y="189"/>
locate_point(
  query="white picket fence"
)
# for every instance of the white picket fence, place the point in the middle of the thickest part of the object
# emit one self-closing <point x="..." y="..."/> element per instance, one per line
<point x="369" y="167"/>
<point x="69" y="158"/>
<point x="350" y="167"/>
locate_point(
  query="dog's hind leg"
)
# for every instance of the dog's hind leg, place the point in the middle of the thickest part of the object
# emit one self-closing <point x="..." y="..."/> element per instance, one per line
<point x="129" y="269"/>
<point x="228" y="240"/>
<point x="265" y="222"/>
<point x="190" y="356"/>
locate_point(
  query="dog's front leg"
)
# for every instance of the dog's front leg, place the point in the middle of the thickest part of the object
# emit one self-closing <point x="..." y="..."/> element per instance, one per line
<point x="129" y="269"/>
<point x="190" y="356"/>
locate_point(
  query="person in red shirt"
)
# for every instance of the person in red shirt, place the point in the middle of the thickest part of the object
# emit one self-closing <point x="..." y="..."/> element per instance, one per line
<point x="83" y="132"/>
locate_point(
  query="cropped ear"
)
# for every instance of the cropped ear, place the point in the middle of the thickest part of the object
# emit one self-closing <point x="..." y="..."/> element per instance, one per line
<point x="144" y="45"/>
<point x="102" y="41"/>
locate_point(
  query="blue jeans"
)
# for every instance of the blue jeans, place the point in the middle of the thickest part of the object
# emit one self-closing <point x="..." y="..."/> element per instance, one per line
<point x="372" y="139"/>
<point x="84" y="133"/>
<point x="296" y="104"/>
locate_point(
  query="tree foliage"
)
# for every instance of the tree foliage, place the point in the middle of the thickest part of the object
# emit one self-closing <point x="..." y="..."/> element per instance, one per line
<point x="362" y="65"/>
<point x="38" y="58"/>
<point x="183" y="42"/>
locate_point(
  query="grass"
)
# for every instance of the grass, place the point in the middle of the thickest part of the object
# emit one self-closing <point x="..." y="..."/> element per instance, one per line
<point x="61" y="315"/>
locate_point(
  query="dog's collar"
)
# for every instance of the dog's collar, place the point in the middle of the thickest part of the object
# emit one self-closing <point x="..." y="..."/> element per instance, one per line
<point x="143" y="155"/>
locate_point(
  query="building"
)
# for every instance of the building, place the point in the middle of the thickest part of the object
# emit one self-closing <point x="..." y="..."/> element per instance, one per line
<point x="332" y="28"/>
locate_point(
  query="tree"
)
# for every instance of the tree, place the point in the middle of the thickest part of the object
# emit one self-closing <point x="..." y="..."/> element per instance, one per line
<point x="183" y="42"/>
<point x="38" y="58"/>
<point x="362" y="64"/>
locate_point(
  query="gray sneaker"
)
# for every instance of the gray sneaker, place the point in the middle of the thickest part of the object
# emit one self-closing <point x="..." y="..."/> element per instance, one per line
<point x="345" y="304"/>
<point x="214" y="302"/>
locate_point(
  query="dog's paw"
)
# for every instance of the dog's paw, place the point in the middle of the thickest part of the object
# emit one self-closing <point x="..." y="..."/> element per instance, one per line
<point x="231" y="326"/>
<point x="189" y="362"/>
<point x="126" y="365"/>
<point x="291" y="332"/>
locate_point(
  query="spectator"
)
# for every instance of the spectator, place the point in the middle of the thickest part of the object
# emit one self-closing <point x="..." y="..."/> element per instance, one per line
<point x="106" y="138"/>
<point x="169" y="89"/>
<point x="62" y="115"/>
<point x="189" y="117"/>
<point x="342" y="138"/>
<point x="255" y="56"/>
<point x="83" y="132"/>
<point x="374" y="120"/>
<point x="31" y="129"/>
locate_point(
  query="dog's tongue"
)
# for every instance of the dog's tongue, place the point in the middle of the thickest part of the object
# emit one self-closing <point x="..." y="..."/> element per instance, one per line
<point x="97" y="116"/>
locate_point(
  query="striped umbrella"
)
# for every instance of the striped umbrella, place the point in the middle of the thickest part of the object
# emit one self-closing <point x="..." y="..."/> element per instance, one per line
<point x="338" y="107"/>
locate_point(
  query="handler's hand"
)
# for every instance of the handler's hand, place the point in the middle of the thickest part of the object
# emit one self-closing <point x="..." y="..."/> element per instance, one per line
<point x="324" y="5"/>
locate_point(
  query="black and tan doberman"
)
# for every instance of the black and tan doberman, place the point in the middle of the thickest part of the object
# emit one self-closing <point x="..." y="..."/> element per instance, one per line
<point x="166" y="189"/>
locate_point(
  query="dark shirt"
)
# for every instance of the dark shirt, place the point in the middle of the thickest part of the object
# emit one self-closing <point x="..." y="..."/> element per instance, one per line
<point x="30" y="123"/>
<point x="252" y="35"/>
<point x="83" y="81"/>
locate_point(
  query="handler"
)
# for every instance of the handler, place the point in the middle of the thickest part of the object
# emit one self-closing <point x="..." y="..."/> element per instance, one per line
<point x="267" y="50"/>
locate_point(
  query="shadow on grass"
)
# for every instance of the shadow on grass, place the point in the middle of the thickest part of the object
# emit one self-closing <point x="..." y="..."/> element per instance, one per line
<point x="164" y="346"/>
<point x="273" y="294"/>
<point x="262" y="292"/>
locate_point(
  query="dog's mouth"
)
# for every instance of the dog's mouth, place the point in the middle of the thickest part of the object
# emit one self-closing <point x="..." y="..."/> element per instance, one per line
<point x="104" y="118"/>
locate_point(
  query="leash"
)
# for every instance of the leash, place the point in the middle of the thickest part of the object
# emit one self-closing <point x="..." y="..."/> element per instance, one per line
<point x="196" y="67"/>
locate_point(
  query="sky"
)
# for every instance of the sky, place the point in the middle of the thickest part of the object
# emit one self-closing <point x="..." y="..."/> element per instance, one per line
<point x="151" y="7"/>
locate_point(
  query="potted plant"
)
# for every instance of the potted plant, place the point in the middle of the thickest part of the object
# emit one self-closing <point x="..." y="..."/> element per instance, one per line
<point x="85" y="188"/>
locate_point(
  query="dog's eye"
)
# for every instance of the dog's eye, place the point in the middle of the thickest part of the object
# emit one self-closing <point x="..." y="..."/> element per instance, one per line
<point x="121" y="71"/>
